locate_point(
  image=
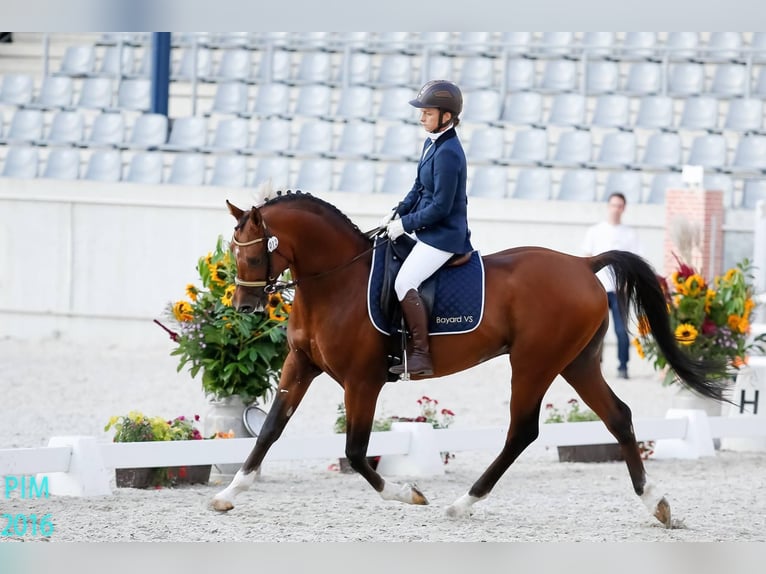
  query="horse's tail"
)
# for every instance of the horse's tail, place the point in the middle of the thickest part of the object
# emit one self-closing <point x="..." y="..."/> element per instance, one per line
<point x="636" y="283"/>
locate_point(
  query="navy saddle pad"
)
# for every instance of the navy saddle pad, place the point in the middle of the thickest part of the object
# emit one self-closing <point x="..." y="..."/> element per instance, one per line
<point x="458" y="301"/>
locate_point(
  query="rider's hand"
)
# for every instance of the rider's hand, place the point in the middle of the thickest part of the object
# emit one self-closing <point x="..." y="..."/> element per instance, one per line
<point x="386" y="219"/>
<point x="395" y="229"/>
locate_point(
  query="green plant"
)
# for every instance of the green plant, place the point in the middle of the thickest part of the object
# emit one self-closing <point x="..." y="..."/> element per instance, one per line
<point x="429" y="413"/>
<point x="137" y="427"/>
<point x="571" y="414"/>
<point x="711" y="321"/>
<point x="238" y="353"/>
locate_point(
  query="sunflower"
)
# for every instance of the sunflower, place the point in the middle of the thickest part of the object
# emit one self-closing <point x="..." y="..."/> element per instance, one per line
<point x="214" y="276"/>
<point x="228" y="295"/>
<point x="192" y="292"/>
<point x="733" y="322"/>
<point x="731" y="274"/>
<point x="278" y="309"/>
<point x="709" y="298"/>
<point x="686" y="333"/>
<point x="749" y="304"/>
<point x="744" y="325"/>
<point x="183" y="311"/>
<point x="694" y="285"/>
<point x="639" y="348"/>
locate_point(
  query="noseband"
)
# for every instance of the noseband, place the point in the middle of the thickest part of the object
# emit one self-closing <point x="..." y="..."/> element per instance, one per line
<point x="271" y="245"/>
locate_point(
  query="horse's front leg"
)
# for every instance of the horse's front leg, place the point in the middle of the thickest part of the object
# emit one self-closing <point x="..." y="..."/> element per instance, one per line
<point x="297" y="374"/>
<point x="360" y="403"/>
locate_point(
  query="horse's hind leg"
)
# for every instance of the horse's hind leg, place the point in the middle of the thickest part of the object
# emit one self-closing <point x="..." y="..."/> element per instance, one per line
<point x="297" y="374"/>
<point x="584" y="374"/>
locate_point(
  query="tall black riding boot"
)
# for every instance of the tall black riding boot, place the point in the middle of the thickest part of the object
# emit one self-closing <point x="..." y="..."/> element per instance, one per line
<point x="419" y="362"/>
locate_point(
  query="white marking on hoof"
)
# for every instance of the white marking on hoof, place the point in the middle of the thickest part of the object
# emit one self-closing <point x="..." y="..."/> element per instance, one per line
<point x="407" y="493"/>
<point x="224" y="500"/>
<point x="657" y="505"/>
<point x="461" y="508"/>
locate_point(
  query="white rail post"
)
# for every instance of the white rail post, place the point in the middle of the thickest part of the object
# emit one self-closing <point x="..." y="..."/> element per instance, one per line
<point x="750" y="398"/>
<point x="423" y="458"/>
<point x="697" y="442"/>
<point x="87" y="475"/>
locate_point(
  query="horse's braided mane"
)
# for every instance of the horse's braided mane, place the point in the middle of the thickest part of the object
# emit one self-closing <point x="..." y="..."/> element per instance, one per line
<point x="292" y="196"/>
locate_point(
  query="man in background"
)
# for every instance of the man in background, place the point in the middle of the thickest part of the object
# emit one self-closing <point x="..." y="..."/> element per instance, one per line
<point x="606" y="236"/>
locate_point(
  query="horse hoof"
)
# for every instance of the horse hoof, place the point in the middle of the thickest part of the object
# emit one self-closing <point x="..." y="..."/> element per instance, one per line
<point x="221" y="505"/>
<point x="418" y="497"/>
<point x="453" y="511"/>
<point x="662" y="512"/>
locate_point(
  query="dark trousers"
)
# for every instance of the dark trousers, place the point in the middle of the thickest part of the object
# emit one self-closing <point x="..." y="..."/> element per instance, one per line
<point x="623" y="345"/>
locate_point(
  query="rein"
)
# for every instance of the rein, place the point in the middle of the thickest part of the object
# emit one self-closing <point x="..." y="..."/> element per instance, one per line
<point x="271" y="285"/>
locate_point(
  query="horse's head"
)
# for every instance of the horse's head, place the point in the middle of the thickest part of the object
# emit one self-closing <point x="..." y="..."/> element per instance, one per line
<point x="251" y="246"/>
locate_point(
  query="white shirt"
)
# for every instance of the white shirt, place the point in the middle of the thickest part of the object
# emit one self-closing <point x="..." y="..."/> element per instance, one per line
<point x="604" y="237"/>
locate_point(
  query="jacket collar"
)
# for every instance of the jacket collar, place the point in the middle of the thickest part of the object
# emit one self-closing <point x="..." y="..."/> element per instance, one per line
<point x="448" y="135"/>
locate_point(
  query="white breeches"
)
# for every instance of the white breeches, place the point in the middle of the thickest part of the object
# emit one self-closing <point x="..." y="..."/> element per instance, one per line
<point x="422" y="262"/>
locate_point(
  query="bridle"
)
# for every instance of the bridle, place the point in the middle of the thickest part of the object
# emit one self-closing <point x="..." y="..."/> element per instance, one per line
<point x="271" y="285"/>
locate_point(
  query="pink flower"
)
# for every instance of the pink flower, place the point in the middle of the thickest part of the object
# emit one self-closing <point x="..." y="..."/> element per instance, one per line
<point x="549" y="405"/>
<point x="709" y="327"/>
<point x="196" y="417"/>
<point x="448" y="413"/>
<point x="572" y="402"/>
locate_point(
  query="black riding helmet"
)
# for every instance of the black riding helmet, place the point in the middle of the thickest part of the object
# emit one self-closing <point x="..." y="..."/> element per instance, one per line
<point x="442" y="95"/>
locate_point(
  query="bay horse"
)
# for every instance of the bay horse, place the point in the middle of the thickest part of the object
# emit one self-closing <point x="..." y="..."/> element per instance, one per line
<point x="545" y="309"/>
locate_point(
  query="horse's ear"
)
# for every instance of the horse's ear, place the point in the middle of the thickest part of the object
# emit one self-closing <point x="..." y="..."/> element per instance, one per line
<point x="255" y="215"/>
<point x="234" y="210"/>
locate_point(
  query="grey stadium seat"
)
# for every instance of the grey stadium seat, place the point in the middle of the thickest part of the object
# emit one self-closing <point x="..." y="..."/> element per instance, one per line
<point x="398" y="177"/>
<point x="145" y="167"/>
<point x="644" y="78"/>
<point x="663" y="150"/>
<point x="55" y="92"/>
<point x="394" y="104"/>
<point x="724" y="46"/>
<point x="578" y="185"/>
<point x="314" y="137"/>
<point x="567" y="110"/>
<point x="315" y="175"/>
<point x="612" y="111"/>
<point x="686" y="79"/>
<point x="523" y="108"/>
<point x="108" y="129"/>
<point x="62" y="163"/>
<point x="78" y="60"/>
<point x="313" y="100"/>
<point x="26" y="126"/>
<point x="235" y="65"/>
<point x="231" y="134"/>
<point x="356" y="140"/>
<point x="104" y="165"/>
<point x="519" y="74"/>
<point x="273" y="135"/>
<point x="16" y="89"/>
<point x="400" y="141"/>
<point x="700" y="113"/>
<point x="21" y="162"/>
<point x="661" y="183"/>
<point x="134" y="94"/>
<point x="395" y="70"/>
<point x="230" y="98"/>
<point x="754" y="190"/>
<point x="357" y="176"/>
<point x="438" y="67"/>
<point x="618" y="148"/>
<point x="639" y="45"/>
<point x="598" y="43"/>
<point x="356" y="69"/>
<point x="729" y="80"/>
<point x="744" y="114"/>
<point x="682" y="45"/>
<point x="602" y="77"/>
<point x="275" y="68"/>
<point x="275" y="169"/>
<point x="355" y="102"/>
<point x="486" y="144"/>
<point x="655" y="112"/>
<point x="533" y="184"/>
<point x="720" y="182"/>
<point x="556" y="43"/>
<point x="481" y="106"/>
<point x="187" y="169"/>
<point x="229" y="171"/>
<point x="529" y="147"/>
<point x="750" y="153"/>
<point x="559" y="76"/>
<point x="96" y="93"/>
<point x="272" y="100"/>
<point x="186" y="69"/>
<point x="708" y="151"/>
<point x="189" y="133"/>
<point x="149" y="131"/>
<point x="314" y="68"/>
<point x="627" y="183"/>
<point x="67" y="128"/>
<point x="110" y="62"/>
<point x="489" y="181"/>
<point x="574" y="148"/>
<point x="476" y="73"/>
<point x="516" y="42"/>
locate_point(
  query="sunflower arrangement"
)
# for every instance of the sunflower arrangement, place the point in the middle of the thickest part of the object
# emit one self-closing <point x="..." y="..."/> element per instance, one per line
<point x="711" y="320"/>
<point x="238" y="354"/>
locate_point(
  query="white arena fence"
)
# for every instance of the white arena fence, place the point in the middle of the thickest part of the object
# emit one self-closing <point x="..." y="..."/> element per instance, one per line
<point x="83" y="466"/>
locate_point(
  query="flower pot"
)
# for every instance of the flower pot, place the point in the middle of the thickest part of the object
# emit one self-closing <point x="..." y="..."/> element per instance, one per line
<point x="163" y="476"/>
<point x="590" y="453"/>
<point x="224" y="415"/>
